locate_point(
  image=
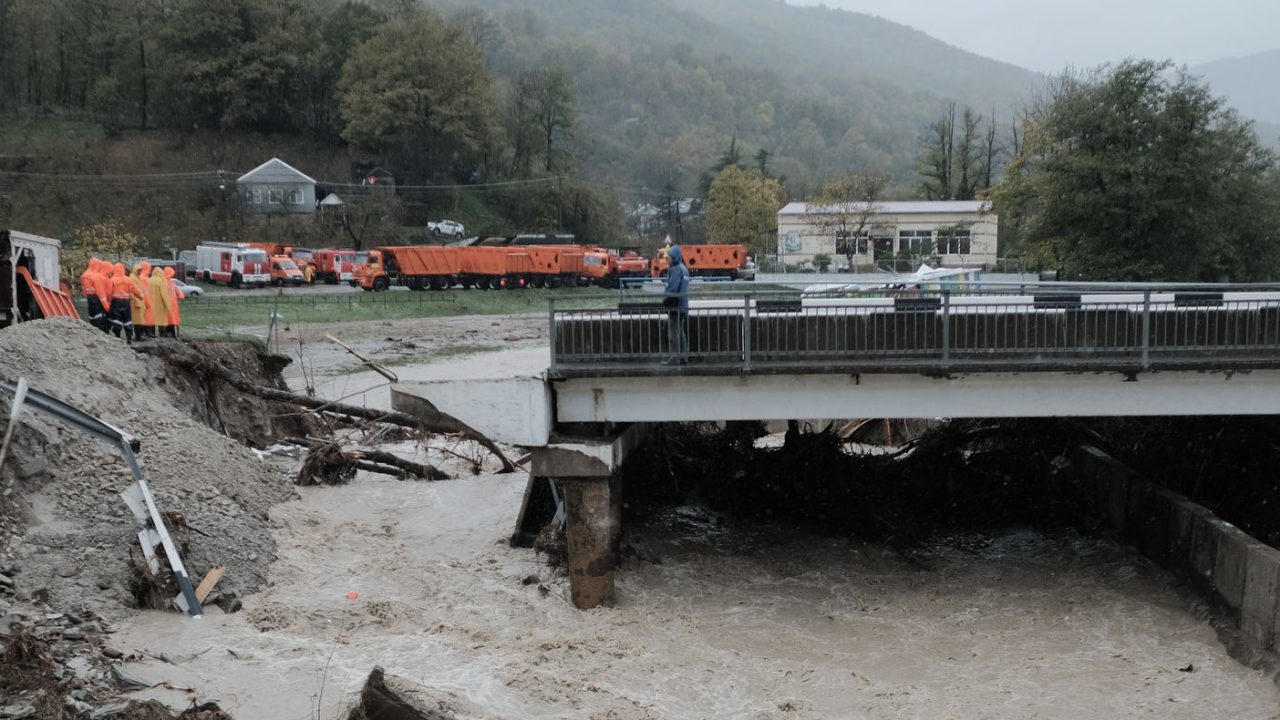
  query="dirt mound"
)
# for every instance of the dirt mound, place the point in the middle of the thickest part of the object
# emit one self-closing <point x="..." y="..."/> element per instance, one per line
<point x="67" y="536"/>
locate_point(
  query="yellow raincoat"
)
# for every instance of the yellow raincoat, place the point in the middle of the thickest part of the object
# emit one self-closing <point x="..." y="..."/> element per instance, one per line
<point x="158" y="290"/>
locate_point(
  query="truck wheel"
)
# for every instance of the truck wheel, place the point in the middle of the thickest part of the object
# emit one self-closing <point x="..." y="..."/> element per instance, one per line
<point x="208" y="277"/>
<point x="235" y="280"/>
<point x="380" y="284"/>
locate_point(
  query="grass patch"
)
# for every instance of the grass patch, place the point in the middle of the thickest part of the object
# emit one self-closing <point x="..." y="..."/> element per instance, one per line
<point x="36" y="134"/>
<point x="229" y="310"/>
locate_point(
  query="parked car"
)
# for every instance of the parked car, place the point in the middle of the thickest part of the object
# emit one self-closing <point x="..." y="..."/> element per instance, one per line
<point x="188" y="290"/>
<point x="448" y="228"/>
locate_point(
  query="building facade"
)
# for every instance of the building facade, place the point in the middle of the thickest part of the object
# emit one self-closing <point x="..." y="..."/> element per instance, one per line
<point x="275" y="187"/>
<point x="946" y="233"/>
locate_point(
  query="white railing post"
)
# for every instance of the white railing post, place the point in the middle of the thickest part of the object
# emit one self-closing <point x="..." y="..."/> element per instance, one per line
<point x="1146" y="329"/>
<point x="946" y="328"/>
<point x="746" y="333"/>
<point x="551" y="319"/>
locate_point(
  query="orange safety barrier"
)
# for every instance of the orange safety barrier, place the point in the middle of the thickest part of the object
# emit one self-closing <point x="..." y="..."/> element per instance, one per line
<point x="52" y="303"/>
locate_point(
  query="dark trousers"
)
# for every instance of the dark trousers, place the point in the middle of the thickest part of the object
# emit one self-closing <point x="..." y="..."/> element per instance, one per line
<point x="122" y="318"/>
<point x="678" y="335"/>
<point x="97" y="315"/>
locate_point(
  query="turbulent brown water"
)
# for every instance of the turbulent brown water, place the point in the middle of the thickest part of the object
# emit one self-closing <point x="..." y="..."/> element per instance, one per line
<point x="713" y="621"/>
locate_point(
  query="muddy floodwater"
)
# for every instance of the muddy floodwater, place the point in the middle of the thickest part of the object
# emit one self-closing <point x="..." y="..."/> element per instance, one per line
<point x="713" y="621"/>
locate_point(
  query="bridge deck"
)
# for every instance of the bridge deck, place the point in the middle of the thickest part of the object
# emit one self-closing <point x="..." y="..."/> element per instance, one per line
<point x="932" y="334"/>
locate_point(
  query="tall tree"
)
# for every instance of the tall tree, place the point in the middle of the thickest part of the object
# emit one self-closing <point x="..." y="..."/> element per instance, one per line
<point x="234" y="64"/>
<point x="966" y="157"/>
<point x="1136" y="172"/>
<point x="541" y="113"/>
<point x="845" y="208"/>
<point x="936" y="159"/>
<point x="742" y="207"/>
<point x="419" y="87"/>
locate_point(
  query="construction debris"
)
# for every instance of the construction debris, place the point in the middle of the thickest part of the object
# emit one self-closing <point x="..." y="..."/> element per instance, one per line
<point x="387" y="697"/>
<point x="59" y="667"/>
<point x="365" y="459"/>
<point x="210" y="369"/>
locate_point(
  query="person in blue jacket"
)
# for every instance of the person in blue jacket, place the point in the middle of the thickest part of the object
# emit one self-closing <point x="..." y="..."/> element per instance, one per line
<point x="677" y="302"/>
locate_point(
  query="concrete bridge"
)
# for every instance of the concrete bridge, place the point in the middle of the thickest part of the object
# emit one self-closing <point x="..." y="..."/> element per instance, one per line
<point x="967" y="350"/>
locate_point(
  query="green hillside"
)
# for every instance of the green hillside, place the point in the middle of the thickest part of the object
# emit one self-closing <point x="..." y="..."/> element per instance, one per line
<point x="646" y="97"/>
<point x="664" y="85"/>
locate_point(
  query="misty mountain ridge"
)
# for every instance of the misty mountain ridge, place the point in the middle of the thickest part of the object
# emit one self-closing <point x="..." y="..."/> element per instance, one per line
<point x="1248" y="84"/>
<point x="663" y="85"/>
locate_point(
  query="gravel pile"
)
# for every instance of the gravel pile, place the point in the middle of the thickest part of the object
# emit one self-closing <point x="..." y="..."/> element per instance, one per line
<point x="67" y="536"/>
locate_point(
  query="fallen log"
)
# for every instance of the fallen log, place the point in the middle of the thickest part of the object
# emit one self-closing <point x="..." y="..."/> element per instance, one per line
<point x="208" y="367"/>
<point x="369" y="459"/>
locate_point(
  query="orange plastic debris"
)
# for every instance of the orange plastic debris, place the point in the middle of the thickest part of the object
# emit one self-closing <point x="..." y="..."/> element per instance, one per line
<point x="353" y="595"/>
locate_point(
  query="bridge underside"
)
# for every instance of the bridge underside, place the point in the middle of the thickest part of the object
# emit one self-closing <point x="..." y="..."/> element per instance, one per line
<point x="581" y="429"/>
<point x="686" y="398"/>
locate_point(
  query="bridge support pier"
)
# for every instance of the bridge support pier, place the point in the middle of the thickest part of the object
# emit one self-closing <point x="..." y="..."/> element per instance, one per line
<point x="586" y="471"/>
<point x="593" y="533"/>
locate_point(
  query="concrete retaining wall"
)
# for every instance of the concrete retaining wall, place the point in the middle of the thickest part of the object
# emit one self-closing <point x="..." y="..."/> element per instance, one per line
<point x="1241" y="573"/>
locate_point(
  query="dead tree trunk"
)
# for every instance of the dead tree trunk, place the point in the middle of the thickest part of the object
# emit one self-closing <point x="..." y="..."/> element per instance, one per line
<point x="206" y="367"/>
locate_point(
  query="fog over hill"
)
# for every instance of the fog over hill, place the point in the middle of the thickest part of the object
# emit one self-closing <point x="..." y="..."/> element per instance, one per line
<point x="664" y="84"/>
<point x="1249" y="83"/>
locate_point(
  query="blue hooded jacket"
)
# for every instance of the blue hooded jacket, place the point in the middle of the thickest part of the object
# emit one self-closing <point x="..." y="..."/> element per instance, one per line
<point x="678" y="277"/>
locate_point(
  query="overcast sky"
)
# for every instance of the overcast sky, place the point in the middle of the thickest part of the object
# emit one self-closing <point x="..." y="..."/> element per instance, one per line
<point x="1049" y="35"/>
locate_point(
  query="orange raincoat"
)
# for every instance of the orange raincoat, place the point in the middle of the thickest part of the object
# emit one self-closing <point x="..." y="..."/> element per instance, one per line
<point x="175" y="296"/>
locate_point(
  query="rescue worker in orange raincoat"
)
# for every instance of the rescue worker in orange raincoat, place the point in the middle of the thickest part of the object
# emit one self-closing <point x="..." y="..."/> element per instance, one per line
<point x="102" y="288"/>
<point x="139" y="304"/>
<point x="122" y="293"/>
<point x="158" y="290"/>
<point x="89" y="285"/>
<point x="175" y="297"/>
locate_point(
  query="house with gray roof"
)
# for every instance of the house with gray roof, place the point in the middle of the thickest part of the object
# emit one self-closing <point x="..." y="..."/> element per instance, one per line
<point x="277" y="188"/>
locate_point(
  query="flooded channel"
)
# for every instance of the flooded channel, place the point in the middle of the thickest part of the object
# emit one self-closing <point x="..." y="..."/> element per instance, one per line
<point x="714" y="620"/>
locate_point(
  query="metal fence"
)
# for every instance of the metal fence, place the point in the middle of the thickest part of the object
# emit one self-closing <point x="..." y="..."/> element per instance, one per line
<point x="1085" y="327"/>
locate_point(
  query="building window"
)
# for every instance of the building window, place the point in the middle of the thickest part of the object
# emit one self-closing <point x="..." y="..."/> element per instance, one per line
<point x="277" y="197"/>
<point x="295" y="197"/>
<point x="915" y="242"/>
<point x="954" y="242"/>
<point x="883" y="245"/>
<point x="847" y="244"/>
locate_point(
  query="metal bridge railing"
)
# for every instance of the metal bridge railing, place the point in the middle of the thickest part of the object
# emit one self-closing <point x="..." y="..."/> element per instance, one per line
<point x="1128" y="328"/>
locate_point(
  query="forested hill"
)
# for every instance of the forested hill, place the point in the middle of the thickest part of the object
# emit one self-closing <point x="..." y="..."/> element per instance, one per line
<point x="504" y="114"/>
<point x="663" y="84"/>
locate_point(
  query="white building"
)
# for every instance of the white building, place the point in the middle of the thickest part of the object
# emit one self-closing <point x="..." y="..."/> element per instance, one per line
<point x="946" y="233"/>
<point x="276" y="187"/>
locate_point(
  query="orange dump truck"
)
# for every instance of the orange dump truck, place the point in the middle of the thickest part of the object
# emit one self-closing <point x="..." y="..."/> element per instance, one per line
<point x="417" y="267"/>
<point x="706" y="260"/>
<point x="555" y="265"/>
<point x="490" y="268"/>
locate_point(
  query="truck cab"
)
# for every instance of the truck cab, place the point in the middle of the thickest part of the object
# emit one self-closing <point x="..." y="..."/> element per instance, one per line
<point x="284" y="271"/>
